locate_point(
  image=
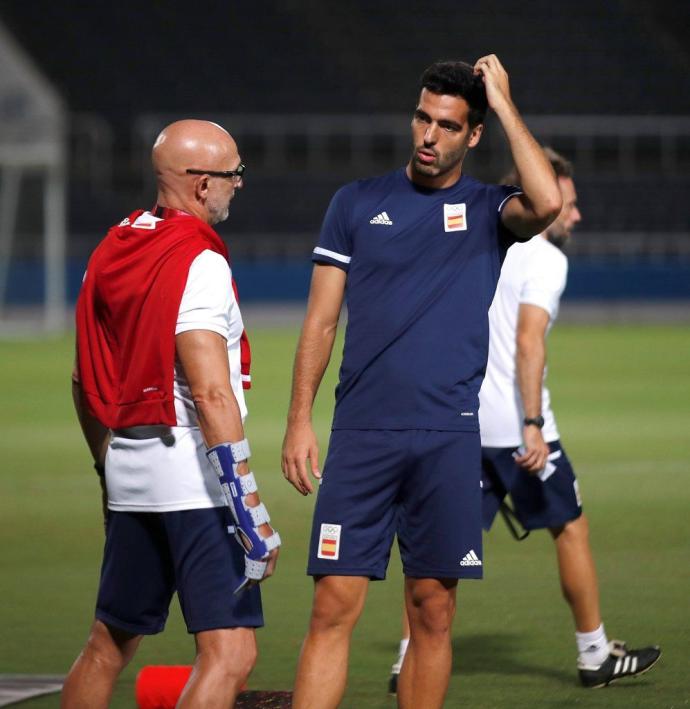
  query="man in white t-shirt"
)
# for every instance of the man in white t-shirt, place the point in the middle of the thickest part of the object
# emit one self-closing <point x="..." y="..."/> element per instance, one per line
<point x="158" y="388"/>
<point x="521" y="451"/>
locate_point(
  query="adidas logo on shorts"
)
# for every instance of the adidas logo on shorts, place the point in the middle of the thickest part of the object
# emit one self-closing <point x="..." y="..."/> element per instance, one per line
<point x="471" y="559"/>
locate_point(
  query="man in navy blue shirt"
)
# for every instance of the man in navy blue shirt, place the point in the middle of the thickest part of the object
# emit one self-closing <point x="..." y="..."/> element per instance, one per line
<point x="417" y="254"/>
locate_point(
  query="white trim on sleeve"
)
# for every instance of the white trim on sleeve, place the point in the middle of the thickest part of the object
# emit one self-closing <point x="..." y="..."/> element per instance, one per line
<point x="332" y="254"/>
<point x="510" y="196"/>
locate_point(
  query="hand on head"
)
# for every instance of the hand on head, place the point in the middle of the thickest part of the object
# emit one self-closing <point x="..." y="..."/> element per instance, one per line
<point x="495" y="80"/>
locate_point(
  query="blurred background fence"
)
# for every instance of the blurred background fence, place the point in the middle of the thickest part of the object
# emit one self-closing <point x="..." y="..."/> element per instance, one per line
<point x="317" y="94"/>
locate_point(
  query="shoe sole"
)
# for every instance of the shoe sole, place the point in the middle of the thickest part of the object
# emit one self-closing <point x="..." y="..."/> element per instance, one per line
<point x="617" y="679"/>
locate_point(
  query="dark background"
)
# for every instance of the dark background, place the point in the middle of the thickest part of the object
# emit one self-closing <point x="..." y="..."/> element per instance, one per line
<point x="126" y="69"/>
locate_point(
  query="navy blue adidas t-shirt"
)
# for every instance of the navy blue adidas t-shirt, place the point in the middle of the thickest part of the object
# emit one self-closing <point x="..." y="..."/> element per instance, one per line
<point x="422" y="266"/>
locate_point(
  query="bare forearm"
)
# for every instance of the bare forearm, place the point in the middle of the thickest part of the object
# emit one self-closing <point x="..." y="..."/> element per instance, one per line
<point x="313" y="354"/>
<point x="537" y="178"/>
<point x="530" y="361"/>
<point x="96" y="435"/>
<point x="540" y="203"/>
<point x="219" y="417"/>
<point x="220" y="421"/>
<point x="316" y="340"/>
<point x="204" y="358"/>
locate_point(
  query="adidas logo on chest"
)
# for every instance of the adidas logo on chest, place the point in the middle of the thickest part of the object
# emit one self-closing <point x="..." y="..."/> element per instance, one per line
<point x="382" y="218"/>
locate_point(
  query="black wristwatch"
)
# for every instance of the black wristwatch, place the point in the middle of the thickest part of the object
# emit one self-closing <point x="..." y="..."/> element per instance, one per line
<point x="537" y="421"/>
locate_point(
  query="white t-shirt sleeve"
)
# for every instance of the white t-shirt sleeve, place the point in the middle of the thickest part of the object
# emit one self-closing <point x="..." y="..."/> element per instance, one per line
<point x="208" y="298"/>
<point x="545" y="281"/>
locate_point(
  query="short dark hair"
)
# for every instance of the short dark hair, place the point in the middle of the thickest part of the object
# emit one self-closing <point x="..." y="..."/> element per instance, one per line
<point x="457" y="79"/>
<point x="561" y="166"/>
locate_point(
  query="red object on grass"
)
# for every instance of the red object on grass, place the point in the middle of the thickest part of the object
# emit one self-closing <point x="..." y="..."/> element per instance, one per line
<point x="160" y="686"/>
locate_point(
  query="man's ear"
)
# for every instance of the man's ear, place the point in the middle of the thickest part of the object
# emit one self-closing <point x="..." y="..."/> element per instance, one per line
<point x="475" y="135"/>
<point x="201" y="187"/>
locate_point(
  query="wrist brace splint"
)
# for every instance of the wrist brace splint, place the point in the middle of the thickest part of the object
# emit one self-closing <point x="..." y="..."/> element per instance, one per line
<point x="224" y="458"/>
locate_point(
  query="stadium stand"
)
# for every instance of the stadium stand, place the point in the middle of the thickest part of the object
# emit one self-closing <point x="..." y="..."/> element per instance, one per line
<point x="306" y="64"/>
<point x="305" y="55"/>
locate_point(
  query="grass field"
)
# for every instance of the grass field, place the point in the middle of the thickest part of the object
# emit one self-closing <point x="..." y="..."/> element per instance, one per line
<point x="622" y="396"/>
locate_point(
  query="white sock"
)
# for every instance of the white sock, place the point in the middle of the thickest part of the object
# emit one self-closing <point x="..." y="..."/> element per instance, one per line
<point x="593" y="647"/>
<point x="401" y="655"/>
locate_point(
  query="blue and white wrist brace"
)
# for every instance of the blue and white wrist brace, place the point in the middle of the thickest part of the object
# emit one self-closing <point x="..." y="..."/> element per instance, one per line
<point x="224" y="458"/>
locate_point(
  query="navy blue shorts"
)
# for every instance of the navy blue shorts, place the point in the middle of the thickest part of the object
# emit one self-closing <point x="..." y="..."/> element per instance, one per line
<point x="422" y="485"/>
<point x="545" y="501"/>
<point x="150" y="555"/>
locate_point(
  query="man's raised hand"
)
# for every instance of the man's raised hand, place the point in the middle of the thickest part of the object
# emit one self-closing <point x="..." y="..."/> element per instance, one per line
<point x="495" y="80"/>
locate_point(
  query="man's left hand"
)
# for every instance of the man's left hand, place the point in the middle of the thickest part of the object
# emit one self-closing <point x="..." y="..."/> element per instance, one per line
<point x="536" y="450"/>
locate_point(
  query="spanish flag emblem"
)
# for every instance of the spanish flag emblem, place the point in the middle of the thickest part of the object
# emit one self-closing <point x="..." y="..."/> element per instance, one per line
<point x="454" y="217"/>
<point x="329" y="541"/>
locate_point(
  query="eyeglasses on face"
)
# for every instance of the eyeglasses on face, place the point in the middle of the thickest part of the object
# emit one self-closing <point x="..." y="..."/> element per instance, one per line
<point x="237" y="173"/>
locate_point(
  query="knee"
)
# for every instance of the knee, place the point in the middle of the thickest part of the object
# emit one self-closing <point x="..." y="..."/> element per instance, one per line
<point x="109" y="648"/>
<point x="332" y="614"/>
<point x="245" y="662"/>
<point x="335" y="608"/>
<point x="574" y="532"/>
<point x="432" y="613"/>
<point x="233" y="656"/>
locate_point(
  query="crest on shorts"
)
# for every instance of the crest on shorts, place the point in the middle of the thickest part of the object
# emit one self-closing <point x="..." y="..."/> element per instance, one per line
<point x="454" y="217"/>
<point x="329" y="541"/>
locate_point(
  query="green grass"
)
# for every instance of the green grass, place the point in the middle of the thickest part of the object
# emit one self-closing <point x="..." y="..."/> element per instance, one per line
<point x="622" y="399"/>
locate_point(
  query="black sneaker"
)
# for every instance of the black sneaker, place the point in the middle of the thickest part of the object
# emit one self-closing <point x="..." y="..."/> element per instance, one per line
<point x="395" y="674"/>
<point x="620" y="663"/>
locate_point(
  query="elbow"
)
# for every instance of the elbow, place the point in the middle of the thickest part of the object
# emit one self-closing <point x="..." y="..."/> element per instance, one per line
<point x="547" y="211"/>
<point x="211" y="399"/>
<point x="554" y="204"/>
<point x="549" y="208"/>
<point x="540" y="212"/>
<point x="521" y="349"/>
<point x="526" y="345"/>
<point x="321" y="326"/>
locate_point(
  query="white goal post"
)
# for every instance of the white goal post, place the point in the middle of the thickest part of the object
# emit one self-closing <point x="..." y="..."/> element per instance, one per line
<point x="32" y="143"/>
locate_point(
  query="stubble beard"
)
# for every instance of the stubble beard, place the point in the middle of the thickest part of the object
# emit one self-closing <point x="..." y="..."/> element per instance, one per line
<point x="218" y="212"/>
<point x="442" y="165"/>
<point x="558" y="237"/>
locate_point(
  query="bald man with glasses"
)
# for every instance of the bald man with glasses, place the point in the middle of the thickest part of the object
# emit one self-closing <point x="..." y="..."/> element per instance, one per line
<point x="161" y="367"/>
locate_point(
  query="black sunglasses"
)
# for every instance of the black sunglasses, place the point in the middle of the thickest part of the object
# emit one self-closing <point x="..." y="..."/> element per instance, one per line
<point x="217" y="173"/>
